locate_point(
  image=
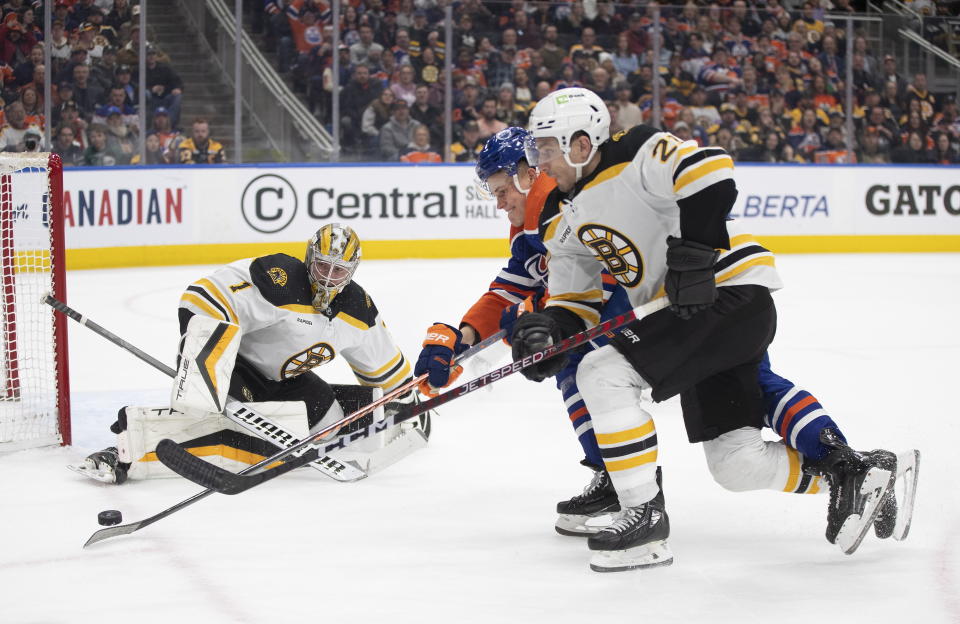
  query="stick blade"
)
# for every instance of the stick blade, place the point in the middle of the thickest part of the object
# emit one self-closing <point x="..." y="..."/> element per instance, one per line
<point x="114" y="531"/>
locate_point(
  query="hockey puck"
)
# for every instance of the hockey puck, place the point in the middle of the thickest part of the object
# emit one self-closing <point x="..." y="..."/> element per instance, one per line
<point x="109" y="517"/>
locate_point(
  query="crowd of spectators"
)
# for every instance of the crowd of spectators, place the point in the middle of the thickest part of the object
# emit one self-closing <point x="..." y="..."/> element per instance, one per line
<point x="762" y="78"/>
<point x="94" y="48"/>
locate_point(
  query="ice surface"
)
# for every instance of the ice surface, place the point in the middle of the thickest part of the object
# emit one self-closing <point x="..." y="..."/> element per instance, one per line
<point x="462" y="531"/>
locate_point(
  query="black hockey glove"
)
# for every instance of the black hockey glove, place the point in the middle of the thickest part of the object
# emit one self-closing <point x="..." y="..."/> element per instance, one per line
<point x="690" y="283"/>
<point x="534" y="332"/>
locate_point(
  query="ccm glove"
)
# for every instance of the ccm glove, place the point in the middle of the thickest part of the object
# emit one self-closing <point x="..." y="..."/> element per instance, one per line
<point x="535" y="332"/>
<point x="509" y="316"/>
<point x="690" y="283"/>
<point x="440" y="346"/>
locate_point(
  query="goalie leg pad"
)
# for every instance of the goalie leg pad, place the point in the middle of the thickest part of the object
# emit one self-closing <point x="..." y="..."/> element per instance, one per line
<point x="208" y="350"/>
<point x="214" y="437"/>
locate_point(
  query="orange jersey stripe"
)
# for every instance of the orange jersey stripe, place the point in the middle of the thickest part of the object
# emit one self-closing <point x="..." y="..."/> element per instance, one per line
<point x="796" y="407"/>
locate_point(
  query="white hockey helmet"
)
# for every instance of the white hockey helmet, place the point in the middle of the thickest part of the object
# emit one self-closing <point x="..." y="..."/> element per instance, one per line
<point x="565" y="112"/>
<point x="332" y="258"/>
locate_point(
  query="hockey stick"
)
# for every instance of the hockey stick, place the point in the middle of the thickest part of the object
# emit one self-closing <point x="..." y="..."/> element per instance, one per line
<point x="126" y="529"/>
<point x="206" y="474"/>
<point x="255" y="423"/>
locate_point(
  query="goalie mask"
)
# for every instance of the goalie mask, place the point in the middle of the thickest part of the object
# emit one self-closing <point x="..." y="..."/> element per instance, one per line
<point x="332" y="258"/>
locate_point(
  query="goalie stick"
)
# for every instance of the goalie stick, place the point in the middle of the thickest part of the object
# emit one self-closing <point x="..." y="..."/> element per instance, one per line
<point x="249" y="419"/>
<point x="206" y="474"/>
<point x="132" y="527"/>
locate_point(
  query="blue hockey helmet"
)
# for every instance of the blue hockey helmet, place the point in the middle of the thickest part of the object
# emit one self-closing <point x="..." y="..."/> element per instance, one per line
<point x="503" y="152"/>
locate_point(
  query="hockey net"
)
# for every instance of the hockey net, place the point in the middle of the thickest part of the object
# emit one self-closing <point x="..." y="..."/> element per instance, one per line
<point x="34" y="389"/>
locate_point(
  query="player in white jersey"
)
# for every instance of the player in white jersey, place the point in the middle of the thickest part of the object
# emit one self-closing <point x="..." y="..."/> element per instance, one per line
<point x="652" y="210"/>
<point x="258" y="327"/>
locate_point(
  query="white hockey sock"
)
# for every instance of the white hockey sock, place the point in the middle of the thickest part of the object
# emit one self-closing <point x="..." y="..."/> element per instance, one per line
<point x="611" y="389"/>
<point x="741" y="461"/>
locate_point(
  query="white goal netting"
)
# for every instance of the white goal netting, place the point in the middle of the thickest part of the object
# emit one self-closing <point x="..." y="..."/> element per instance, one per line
<point x="33" y="410"/>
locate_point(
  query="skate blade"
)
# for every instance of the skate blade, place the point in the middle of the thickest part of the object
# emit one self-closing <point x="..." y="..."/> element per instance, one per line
<point x="103" y="476"/>
<point x="908" y="472"/>
<point x="573" y="525"/>
<point x="652" y="555"/>
<point x="876" y="485"/>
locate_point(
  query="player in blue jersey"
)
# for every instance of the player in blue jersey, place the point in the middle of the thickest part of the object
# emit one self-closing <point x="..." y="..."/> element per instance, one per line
<point x="520" y="191"/>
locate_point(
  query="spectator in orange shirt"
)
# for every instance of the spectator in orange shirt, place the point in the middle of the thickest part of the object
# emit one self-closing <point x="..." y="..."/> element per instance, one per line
<point x="419" y="150"/>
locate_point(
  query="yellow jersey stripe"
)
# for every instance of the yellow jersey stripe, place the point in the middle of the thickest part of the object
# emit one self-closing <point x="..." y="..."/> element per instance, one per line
<point x="627" y="435"/>
<point x="200" y="303"/>
<point x="633" y="462"/>
<point x="814" y="486"/>
<point x="213" y="290"/>
<point x="740" y="268"/>
<point x="588" y="314"/>
<point x="793" y="478"/>
<point x="210" y="362"/>
<point x="349" y="320"/>
<point x="683" y="151"/>
<point x="396" y="379"/>
<point x="551" y="230"/>
<point x="695" y="173"/>
<point x="740" y="239"/>
<point x="587" y="295"/>
<point x="607" y="174"/>
<point x="299" y="308"/>
<point x="393" y="362"/>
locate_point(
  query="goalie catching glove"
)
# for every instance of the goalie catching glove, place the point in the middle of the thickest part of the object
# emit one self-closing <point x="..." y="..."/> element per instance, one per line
<point x="690" y="283"/>
<point x="441" y="345"/>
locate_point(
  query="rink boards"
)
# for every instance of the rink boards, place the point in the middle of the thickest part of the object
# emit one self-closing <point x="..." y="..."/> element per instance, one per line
<point x="143" y="216"/>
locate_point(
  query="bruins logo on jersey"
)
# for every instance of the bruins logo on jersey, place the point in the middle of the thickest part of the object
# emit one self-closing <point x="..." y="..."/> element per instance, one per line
<point x="615" y="251"/>
<point x="318" y="354"/>
<point x="278" y="276"/>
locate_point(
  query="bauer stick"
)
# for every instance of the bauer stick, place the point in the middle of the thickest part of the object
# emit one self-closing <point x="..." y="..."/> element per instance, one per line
<point x="126" y="529"/>
<point x="236" y="411"/>
<point x="206" y="474"/>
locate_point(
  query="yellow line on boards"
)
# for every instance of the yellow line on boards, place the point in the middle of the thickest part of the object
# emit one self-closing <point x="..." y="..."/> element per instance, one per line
<point x="862" y="244"/>
<point x="172" y="255"/>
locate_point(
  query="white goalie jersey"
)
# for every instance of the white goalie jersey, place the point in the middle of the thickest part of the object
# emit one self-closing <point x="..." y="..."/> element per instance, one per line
<point x="268" y="300"/>
<point x="619" y="218"/>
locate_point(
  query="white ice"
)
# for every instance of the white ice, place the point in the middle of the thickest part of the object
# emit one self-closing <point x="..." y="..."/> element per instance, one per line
<point x="463" y="531"/>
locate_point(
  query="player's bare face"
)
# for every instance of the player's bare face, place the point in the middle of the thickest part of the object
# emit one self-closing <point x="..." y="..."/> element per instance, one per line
<point x="552" y="162"/>
<point x="509" y="199"/>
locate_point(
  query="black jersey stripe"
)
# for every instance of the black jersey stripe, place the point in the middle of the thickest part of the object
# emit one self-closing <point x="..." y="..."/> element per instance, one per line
<point x="696" y="157"/>
<point x="210" y="299"/>
<point x="204" y="355"/>
<point x="629" y="449"/>
<point x="383" y="377"/>
<point x="804" y="484"/>
<point x="727" y="261"/>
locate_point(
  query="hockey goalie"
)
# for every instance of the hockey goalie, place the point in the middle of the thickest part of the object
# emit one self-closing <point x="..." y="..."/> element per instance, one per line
<point x="255" y="330"/>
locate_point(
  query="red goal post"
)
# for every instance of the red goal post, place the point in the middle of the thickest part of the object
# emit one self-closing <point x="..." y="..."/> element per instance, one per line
<point x="34" y="378"/>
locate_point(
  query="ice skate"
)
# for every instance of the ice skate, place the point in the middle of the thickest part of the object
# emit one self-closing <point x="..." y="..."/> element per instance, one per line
<point x="859" y="484"/>
<point x="104" y="466"/>
<point x="896" y="513"/>
<point x="636" y="539"/>
<point x="585" y="514"/>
